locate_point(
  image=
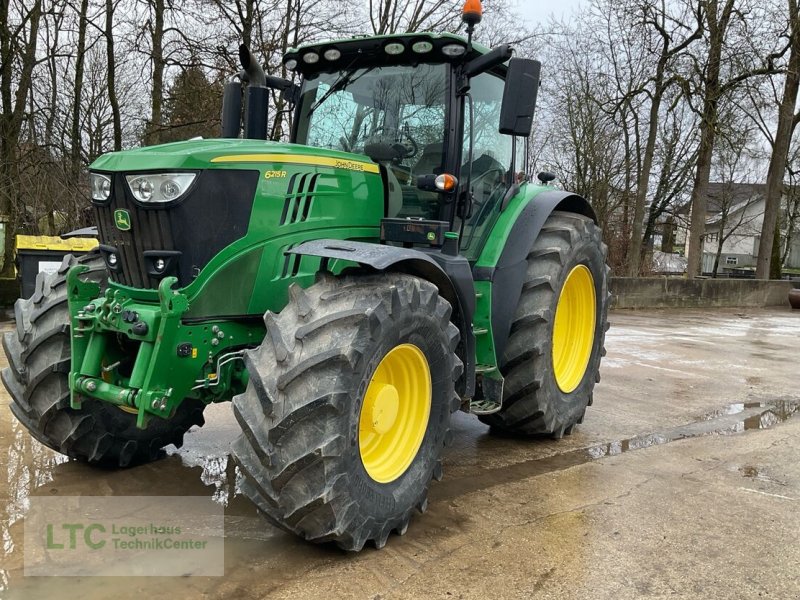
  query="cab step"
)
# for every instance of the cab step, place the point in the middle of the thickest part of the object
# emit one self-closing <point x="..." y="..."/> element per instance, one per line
<point x="484" y="369"/>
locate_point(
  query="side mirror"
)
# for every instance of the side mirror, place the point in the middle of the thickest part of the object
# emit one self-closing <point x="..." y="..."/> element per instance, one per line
<point x="519" y="96"/>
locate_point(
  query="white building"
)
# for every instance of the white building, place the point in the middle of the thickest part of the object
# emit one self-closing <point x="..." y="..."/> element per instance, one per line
<point x="735" y="213"/>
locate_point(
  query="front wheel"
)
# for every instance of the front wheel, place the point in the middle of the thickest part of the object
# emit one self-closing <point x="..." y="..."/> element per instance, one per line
<point x="552" y="358"/>
<point x="348" y="407"/>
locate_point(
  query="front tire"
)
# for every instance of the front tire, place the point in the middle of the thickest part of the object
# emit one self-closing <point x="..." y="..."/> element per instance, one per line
<point x="552" y="358"/>
<point x="348" y="407"/>
<point x="38" y="354"/>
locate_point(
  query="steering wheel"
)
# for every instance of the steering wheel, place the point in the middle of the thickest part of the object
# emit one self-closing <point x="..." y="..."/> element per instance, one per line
<point x="379" y="148"/>
<point x="406" y="149"/>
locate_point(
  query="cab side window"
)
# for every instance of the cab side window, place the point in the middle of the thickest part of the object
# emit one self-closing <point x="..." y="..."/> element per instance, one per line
<point x="491" y="159"/>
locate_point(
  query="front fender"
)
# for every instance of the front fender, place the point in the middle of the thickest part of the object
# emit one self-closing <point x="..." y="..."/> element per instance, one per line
<point x="451" y="275"/>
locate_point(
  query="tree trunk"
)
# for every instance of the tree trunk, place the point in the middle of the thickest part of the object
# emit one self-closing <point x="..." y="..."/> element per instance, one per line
<point x="156" y="98"/>
<point x="720" y="242"/>
<point x="699" y="201"/>
<point x="247" y="25"/>
<point x="717" y="26"/>
<point x="112" y="76"/>
<point x="11" y="118"/>
<point x="775" y="267"/>
<point x="635" y="254"/>
<point x="75" y="141"/>
<point x="780" y="151"/>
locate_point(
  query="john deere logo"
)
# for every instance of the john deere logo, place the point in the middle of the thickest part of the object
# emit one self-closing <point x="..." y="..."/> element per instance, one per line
<point x="122" y="218"/>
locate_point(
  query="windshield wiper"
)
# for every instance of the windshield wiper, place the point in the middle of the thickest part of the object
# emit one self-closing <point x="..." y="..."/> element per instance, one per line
<point x="341" y="83"/>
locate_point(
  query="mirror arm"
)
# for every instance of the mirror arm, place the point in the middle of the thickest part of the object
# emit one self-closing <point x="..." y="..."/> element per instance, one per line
<point x="496" y="56"/>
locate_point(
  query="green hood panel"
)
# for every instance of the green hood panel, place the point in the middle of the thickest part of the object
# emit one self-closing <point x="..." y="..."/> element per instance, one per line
<point x="222" y="153"/>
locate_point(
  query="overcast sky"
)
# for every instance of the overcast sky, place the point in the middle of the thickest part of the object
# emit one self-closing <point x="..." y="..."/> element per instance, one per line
<point x="535" y="11"/>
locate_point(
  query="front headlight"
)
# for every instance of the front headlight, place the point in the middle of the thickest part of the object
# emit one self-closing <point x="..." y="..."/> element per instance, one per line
<point x="153" y="188"/>
<point x="101" y="186"/>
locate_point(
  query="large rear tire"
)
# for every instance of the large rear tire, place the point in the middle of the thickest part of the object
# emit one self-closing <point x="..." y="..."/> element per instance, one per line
<point x="38" y="354"/>
<point x="348" y="407"/>
<point x="552" y="358"/>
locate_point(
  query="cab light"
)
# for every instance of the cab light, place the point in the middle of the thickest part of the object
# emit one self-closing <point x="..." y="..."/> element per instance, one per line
<point x="291" y="64"/>
<point x="422" y="47"/>
<point x="453" y="50"/>
<point x="394" y="48"/>
<point x="332" y="54"/>
<point x="311" y="58"/>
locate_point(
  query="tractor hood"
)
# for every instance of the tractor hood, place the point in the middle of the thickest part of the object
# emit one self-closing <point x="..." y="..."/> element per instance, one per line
<point x="202" y="154"/>
<point x="245" y="199"/>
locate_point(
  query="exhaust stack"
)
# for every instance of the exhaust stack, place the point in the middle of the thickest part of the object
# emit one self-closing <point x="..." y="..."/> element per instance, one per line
<point x="256" y="97"/>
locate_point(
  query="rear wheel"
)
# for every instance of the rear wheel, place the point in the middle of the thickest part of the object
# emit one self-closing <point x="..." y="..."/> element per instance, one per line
<point x="38" y="354"/>
<point x="348" y="407"/>
<point x="552" y="357"/>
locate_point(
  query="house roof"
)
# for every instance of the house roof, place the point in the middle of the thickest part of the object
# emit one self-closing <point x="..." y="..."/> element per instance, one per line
<point x="722" y="194"/>
<point x="733" y="195"/>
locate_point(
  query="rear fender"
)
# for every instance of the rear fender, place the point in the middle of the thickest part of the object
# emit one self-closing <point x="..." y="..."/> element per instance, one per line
<point x="508" y="274"/>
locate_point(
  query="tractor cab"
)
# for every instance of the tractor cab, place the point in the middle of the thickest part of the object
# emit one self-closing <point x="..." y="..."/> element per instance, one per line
<point x="429" y="109"/>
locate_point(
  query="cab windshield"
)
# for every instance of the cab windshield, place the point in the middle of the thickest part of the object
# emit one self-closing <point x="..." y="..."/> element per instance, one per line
<point x="394" y="114"/>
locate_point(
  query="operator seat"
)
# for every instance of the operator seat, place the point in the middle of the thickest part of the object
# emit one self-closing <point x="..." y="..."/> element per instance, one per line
<point x="430" y="163"/>
<point x="394" y="193"/>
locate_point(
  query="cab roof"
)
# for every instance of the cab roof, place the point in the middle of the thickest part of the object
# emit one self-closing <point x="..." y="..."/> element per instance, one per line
<point x="413" y="48"/>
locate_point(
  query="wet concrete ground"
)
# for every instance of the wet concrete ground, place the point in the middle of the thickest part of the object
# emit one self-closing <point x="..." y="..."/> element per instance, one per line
<point x="684" y="481"/>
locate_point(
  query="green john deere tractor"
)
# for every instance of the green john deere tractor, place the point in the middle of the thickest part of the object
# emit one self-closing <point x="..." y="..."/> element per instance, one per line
<point x="348" y="290"/>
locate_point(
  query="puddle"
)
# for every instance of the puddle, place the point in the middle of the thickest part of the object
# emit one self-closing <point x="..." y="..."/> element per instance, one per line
<point x="203" y="467"/>
<point x="734" y="418"/>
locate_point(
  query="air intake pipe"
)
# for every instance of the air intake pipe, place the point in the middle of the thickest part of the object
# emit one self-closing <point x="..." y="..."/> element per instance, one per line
<point x="232" y="108"/>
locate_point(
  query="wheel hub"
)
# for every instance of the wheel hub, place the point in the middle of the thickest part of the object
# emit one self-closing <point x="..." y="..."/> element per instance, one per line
<point x="382" y="404"/>
<point x="394" y="413"/>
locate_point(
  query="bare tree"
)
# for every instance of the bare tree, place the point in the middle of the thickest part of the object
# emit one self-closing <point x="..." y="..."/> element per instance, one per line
<point x="398" y="16"/>
<point x="19" y="37"/>
<point x="780" y="151"/>
<point x="675" y="33"/>
<point x="111" y="61"/>
<point x="742" y="63"/>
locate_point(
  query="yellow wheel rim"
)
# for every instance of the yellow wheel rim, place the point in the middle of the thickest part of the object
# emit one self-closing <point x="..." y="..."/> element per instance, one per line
<point x="394" y="414"/>
<point x="573" y="329"/>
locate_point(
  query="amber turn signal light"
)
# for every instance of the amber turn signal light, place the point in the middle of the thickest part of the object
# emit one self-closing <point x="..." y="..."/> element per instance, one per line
<point x="445" y="182"/>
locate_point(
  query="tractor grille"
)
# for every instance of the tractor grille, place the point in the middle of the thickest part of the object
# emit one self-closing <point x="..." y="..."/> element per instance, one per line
<point x="150" y="230"/>
<point x="214" y="214"/>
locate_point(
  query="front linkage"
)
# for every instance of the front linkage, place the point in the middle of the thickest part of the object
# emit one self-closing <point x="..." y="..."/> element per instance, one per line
<point x="174" y="360"/>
